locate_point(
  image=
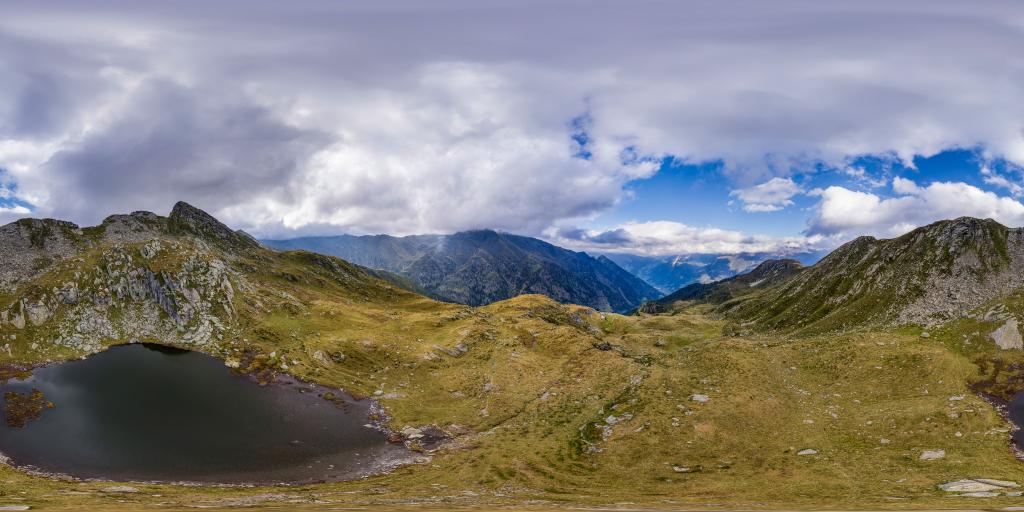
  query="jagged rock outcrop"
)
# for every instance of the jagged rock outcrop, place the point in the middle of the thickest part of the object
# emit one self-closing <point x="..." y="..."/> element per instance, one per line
<point x="28" y="247"/>
<point x="121" y="296"/>
<point x="187" y="219"/>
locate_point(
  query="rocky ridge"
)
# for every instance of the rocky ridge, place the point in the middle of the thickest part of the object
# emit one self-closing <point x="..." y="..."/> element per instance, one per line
<point x="172" y="280"/>
<point x="928" y="276"/>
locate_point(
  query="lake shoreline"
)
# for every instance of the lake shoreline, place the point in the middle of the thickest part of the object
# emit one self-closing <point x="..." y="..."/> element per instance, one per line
<point x="377" y="420"/>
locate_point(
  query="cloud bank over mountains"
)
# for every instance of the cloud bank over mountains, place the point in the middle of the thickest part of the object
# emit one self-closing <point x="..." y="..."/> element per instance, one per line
<point x="531" y="117"/>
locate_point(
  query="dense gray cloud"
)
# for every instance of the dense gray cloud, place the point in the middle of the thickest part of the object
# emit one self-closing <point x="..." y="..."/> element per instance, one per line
<point x="408" y="117"/>
<point x="660" y="238"/>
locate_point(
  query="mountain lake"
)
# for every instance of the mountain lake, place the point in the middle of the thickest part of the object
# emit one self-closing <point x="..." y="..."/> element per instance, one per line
<point x="143" y="412"/>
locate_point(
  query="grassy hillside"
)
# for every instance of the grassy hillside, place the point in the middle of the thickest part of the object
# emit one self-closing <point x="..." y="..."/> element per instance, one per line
<point x="539" y="413"/>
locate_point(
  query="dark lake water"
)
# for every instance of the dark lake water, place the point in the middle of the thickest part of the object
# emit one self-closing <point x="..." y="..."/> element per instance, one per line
<point x="1015" y="410"/>
<point x="147" y="413"/>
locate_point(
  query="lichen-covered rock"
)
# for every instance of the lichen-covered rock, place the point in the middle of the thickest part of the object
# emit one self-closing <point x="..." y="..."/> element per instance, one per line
<point x="977" y="485"/>
<point x="1007" y="336"/>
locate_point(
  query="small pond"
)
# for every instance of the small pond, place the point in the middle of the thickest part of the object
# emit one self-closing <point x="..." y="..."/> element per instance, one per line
<point x="150" y="413"/>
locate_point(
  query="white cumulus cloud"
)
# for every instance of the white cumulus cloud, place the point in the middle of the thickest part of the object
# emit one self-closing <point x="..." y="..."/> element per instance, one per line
<point x="844" y="213"/>
<point x="772" y="195"/>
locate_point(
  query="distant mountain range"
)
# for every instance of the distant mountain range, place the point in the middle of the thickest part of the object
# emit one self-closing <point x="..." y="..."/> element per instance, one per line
<point x="480" y="267"/>
<point x="670" y="273"/>
<point x="763" y="276"/>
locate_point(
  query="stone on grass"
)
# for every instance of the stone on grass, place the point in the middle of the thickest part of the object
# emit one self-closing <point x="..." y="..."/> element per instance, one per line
<point x="120" y="488"/>
<point x="932" y="454"/>
<point x="807" y="451"/>
<point x="976" y="485"/>
<point x="1000" y="483"/>
<point x="699" y="398"/>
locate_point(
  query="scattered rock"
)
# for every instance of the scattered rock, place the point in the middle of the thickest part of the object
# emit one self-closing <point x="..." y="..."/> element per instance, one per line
<point x="412" y="433"/>
<point x="932" y="454"/>
<point x="925" y="334"/>
<point x="699" y="398"/>
<point x="1000" y="483"/>
<point x="120" y="488"/>
<point x="807" y="451"/>
<point x="980" y="494"/>
<point x="14" y="507"/>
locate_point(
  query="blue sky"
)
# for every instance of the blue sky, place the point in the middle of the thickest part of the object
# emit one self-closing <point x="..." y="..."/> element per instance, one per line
<point x="699" y="194"/>
<point x="818" y="205"/>
<point x="655" y="127"/>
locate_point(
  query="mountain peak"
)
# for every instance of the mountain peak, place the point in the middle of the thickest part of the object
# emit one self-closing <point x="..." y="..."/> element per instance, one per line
<point x="187" y="219"/>
<point x="961" y="225"/>
<point x="928" y="276"/>
<point x="477" y="234"/>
